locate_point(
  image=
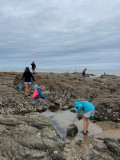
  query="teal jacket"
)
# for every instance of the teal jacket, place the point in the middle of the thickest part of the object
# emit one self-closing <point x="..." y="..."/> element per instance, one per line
<point x="84" y="106"/>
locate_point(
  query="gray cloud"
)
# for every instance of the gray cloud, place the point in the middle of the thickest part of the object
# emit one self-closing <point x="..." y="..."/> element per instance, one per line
<point x="60" y="34"/>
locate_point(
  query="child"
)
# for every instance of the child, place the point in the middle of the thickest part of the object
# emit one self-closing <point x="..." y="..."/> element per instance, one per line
<point x="88" y="109"/>
<point x="38" y="93"/>
<point x="27" y="75"/>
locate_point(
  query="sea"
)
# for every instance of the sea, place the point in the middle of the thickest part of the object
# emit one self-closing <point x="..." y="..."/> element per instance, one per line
<point x="95" y="72"/>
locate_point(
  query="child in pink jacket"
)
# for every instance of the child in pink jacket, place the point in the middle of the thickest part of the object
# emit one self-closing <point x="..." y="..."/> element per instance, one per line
<point x="38" y="93"/>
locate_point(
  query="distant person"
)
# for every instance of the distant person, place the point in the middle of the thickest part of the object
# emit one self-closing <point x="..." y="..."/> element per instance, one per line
<point x="38" y="93"/>
<point x="33" y="67"/>
<point x="83" y="75"/>
<point x="88" y="110"/>
<point x="27" y="75"/>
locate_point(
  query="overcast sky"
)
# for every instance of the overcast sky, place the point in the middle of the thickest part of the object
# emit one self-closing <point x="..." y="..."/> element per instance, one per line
<point x="60" y="34"/>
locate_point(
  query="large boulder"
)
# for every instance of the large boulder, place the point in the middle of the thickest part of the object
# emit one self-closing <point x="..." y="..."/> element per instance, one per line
<point x="29" y="137"/>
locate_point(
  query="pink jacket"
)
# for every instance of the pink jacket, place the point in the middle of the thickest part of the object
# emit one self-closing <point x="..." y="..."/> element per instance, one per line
<point x="35" y="94"/>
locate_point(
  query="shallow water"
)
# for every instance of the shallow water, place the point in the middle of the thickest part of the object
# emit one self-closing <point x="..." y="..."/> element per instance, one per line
<point x="107" y="125"/>
<point x="62" y="119"/>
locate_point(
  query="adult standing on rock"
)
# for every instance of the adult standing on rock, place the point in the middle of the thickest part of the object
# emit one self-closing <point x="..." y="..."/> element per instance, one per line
<point x="33" y="67"/>
<point x="27" y="75"/>
<point x="88" y="109"/>
<point x="83" y="75"/>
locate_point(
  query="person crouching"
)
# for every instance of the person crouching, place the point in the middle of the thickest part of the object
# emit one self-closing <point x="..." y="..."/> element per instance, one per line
<point x="38" y="93"/>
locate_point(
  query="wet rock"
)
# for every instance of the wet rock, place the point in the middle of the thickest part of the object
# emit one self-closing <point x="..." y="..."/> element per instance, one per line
<point x="104" y="146"/>
<point x="73" y="110"/>
<point x="113" y="146"/>
<point x="28" y="137"/>
<point x="72" y="130"/>
<point x="57" y="156"/>
<point x="79" y="142"/>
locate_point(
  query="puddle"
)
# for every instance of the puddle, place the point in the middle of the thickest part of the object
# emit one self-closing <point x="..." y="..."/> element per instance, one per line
<point x="62" y="119"/>
<point x="107" y="125"/>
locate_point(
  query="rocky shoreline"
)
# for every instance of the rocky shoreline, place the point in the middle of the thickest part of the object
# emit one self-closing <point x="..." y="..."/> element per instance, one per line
<point x="26" y="134"/>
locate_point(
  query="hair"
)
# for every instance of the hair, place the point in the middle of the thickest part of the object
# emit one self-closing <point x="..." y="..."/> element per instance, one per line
<point x="42" y="87"/>
<point x="85" y="69"/>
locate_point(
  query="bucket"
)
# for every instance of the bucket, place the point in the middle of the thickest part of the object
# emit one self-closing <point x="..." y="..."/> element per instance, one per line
<point x="35" y="86"/>
<point x="20" y="87"/>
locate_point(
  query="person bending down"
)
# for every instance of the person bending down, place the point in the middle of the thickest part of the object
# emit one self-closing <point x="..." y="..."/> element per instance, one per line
<point x="89" y="110"/>
<point x="38" y="93"/>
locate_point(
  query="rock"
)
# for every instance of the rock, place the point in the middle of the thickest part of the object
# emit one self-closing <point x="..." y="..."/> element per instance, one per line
<point x="57" y="157"/>
<point x="105" y="146"/>
<point x="55" y="152"/>
<point x="62" y="90"/>
<point x="113" y="146"/>
<point x="72" y="130"/>
<point x="28" y="137"/>
<point x="73" y="110"/>
<point x="79" y="142"/>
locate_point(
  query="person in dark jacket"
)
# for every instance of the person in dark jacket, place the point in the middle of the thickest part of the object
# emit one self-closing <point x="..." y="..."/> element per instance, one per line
<point x="27" y="75"/>
<point x="33" y="67"/>
<point x="83" y="75"/>
<point x="38" y="93"/>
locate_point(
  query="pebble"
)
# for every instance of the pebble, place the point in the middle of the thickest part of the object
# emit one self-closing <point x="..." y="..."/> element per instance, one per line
<point x="55" y="152"/>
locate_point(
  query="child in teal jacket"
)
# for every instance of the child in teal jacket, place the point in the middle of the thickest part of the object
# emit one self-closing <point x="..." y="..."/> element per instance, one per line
<point x="88" y="110"/>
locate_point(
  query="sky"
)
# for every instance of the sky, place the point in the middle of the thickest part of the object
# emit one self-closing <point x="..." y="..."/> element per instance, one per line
<point x="60" y="34"/>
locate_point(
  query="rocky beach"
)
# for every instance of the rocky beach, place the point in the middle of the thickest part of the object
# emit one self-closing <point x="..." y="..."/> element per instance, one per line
<point x="26" y="134"/>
